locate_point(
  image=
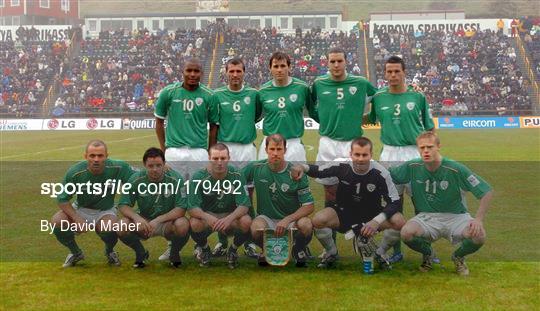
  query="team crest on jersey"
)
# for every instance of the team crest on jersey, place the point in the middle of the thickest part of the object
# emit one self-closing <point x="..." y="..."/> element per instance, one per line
<point x="198" y="101"/>
<point x="247" y="100"/>
<point x="284" y="187"/>
<point x="293" y="97"/>
<point x="370" y="187"/>
<point x="444" y="184"/>
<point x="410" y="105"/>
<point x="352" y="90"/>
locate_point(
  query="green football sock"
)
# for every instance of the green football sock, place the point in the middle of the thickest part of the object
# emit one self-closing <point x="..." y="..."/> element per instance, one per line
<point x="110" y="238"/>
<point x="239" y="238"/>
<point x="420" y="245"/>
<point x="67" y="238"/>
<point x="467" y="247"/>
<point x="223" y="239"/>
<point x="201" y="238"/>
<point x="177" y="243"/>
<point x="248" y="241"/>
<point x="397" y="247"/>
<point x="134" y="242"/>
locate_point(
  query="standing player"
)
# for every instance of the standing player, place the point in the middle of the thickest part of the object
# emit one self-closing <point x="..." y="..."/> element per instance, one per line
<point x="283" y="100"/>
<point x="218" y="201"/>
<point x="403" y="114"/>
<point x="341" y="100"/>
<point x="282" y="203"/>
<point x="96" y="208"/>
<point x="161" y="209"/>
<point x="234" y="111"/>
<point x="365" y="195"/>
<point x="186" y="107"/>
<point x="438" y="185"/>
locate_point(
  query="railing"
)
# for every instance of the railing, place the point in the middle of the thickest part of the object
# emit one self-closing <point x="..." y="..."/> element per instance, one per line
<point x="366" y="56"/>
<point x="530" y="72"/>
<point x="212" y="64"/>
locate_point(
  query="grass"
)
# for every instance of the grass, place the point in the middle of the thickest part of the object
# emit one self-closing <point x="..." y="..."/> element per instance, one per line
<point x="504" y="273"/>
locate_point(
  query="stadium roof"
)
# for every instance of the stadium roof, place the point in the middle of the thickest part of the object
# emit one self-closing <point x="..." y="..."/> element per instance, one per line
<point x="213" y="14"/>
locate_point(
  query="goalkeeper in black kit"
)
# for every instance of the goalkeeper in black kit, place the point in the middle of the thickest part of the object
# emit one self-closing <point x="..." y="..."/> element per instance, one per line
<point x="367" y="200"/>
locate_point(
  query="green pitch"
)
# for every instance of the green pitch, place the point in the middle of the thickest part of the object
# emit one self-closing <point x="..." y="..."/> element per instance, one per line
<point x="504" y="273"/>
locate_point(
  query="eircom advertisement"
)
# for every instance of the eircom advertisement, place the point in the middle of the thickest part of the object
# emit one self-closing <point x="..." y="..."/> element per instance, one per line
<point x="478" y="122"/>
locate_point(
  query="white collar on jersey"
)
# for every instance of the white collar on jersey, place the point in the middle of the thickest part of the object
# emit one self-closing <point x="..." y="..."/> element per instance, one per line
<point x="288" y="82"/>
<point x="240" y="90"/>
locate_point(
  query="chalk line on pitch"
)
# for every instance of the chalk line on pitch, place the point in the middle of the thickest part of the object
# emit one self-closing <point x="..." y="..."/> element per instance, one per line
<point x="69" y="148"/>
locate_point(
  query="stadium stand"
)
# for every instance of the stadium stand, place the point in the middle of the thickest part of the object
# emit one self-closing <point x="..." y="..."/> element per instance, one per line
<point x="124" y="72"/>
<point x="28" y="68"/>
<point x="306" y="49"/>
<point x="460" y="73"/>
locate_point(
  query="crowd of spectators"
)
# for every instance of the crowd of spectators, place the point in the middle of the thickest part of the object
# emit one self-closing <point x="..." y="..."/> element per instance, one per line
<point x="459" y="72"/>
<point x="124" y="71"/>
<point x="28" y="68"/>
<point x="306" y="49"/>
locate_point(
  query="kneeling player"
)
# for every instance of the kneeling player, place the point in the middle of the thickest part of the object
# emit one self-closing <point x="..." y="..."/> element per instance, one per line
<point x="218" y="201"/>
<point x="438" y="185"/>
<point x="366" y="199"/>
<point x="161" y="209"/>
<point x="282" y="203"/>
<point x="95" y="208"/>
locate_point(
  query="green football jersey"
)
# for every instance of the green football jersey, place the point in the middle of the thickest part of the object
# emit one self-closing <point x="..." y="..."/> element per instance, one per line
<point x="283" y="108"/>
<point x="155" y="198"/>
<point x="341" y="105"/>
<point x="218" y="195"/>
<point x="236" y="113"/>
<point x="277" y="194"/>
<point x="186" y="113"/>
<point x="96" y="192"/>
<point x="442" y="191"/>
<point x="402" y="116"/>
